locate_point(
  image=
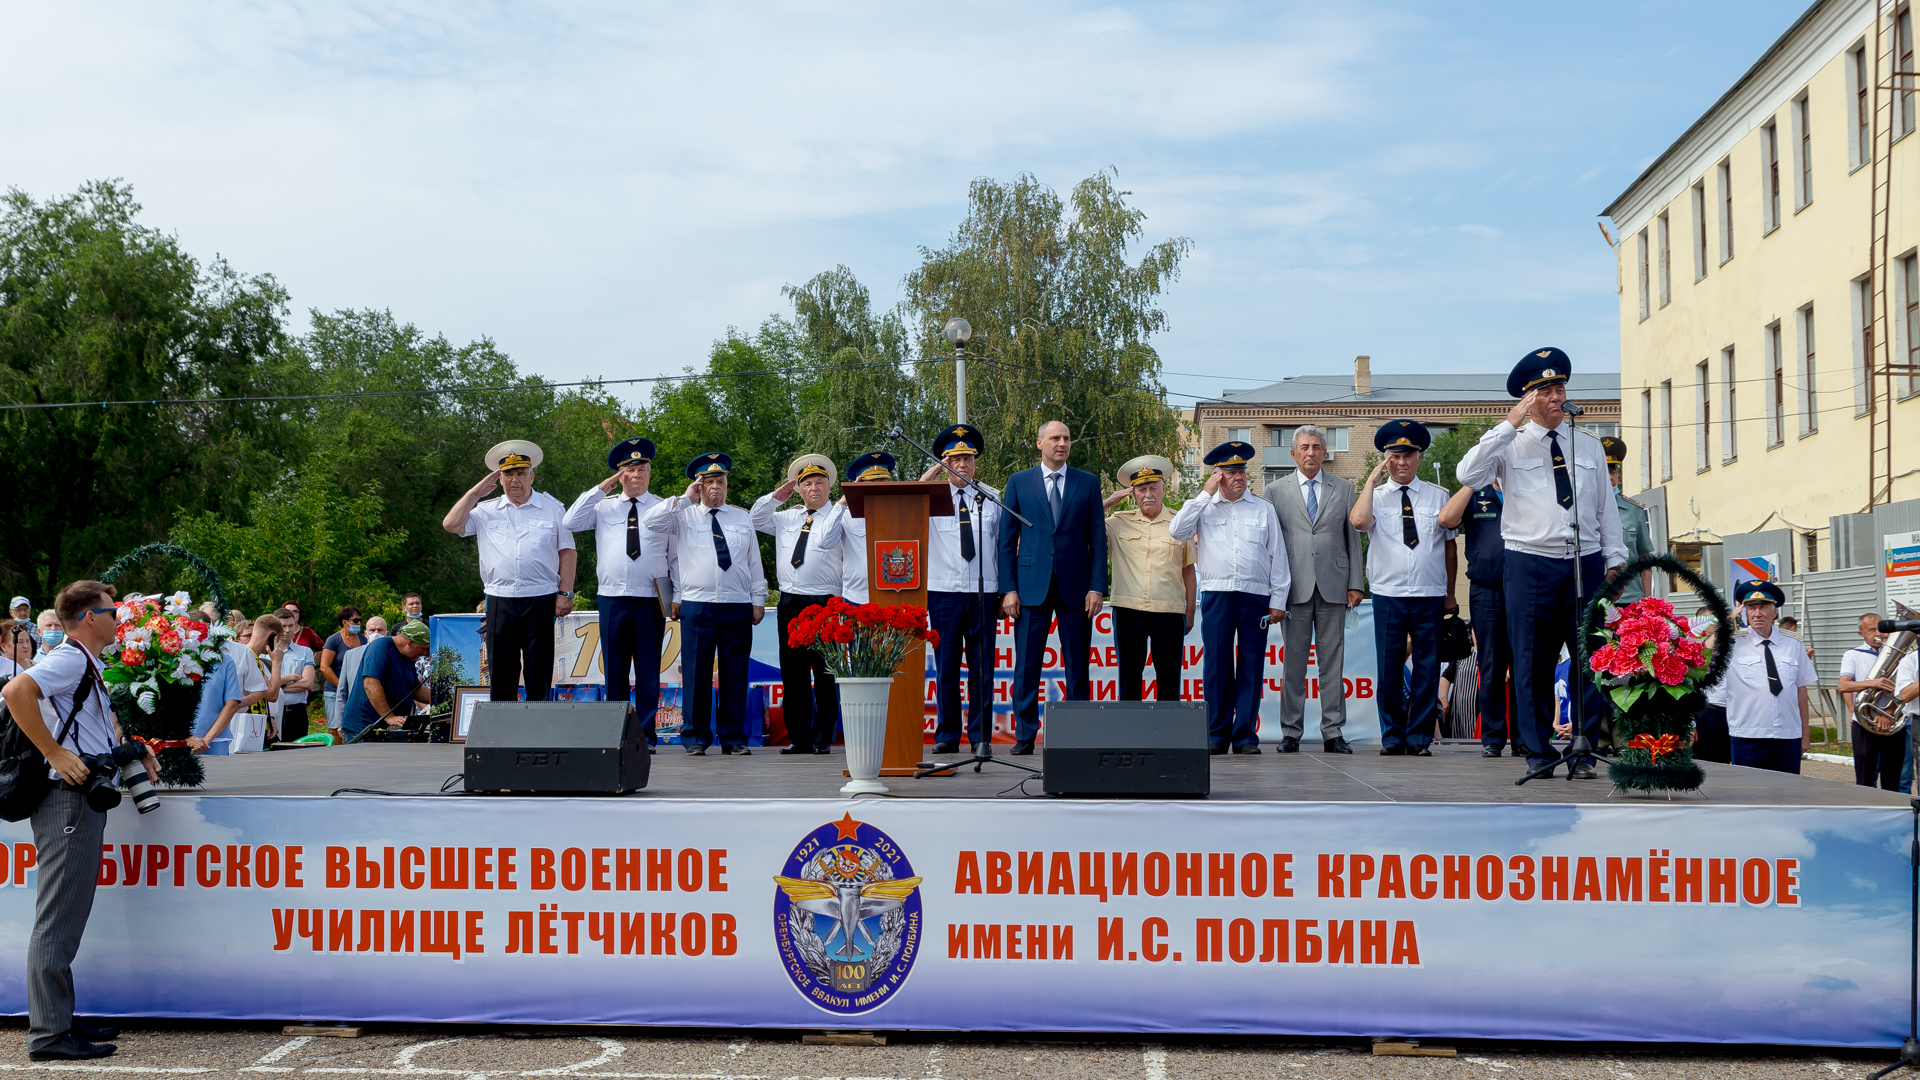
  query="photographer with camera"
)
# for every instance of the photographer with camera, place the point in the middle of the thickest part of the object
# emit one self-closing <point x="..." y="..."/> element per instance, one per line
<point x="70" y="819"/>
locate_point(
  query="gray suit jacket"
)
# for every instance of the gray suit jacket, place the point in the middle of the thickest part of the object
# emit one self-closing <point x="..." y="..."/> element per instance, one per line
<point x="1324" y="553"/>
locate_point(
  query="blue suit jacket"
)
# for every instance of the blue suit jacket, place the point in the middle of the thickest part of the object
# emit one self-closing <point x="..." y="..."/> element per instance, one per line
<point x="1073" y="549"/>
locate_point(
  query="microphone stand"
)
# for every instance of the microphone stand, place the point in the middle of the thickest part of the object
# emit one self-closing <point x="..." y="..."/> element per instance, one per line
<point x="983" y="617"/>
<point x="1578" y="748"/>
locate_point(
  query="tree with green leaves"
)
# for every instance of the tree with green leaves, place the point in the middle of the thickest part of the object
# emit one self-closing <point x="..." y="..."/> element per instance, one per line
<point x="1444" y="455"/>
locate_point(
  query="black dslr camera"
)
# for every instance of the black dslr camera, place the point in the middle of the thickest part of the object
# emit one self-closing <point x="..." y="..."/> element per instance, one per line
<point x="123" y="762"/>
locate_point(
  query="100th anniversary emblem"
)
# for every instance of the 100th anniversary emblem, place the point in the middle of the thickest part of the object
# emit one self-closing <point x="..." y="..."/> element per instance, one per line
<point x="846" y="917"/>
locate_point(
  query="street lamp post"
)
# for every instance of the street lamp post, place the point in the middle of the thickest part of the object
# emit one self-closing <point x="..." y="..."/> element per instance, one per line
<point x="958" y="330"/>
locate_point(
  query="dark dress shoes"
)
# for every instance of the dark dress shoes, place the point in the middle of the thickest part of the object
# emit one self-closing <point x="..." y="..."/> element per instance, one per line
<point x="1392" y="751"/>
<point x="1489" y="751"/>
<point x="1580" y="770"/>
<point x="1338" y="745"/>
<point x="1289" y="745"/>
<point x="69" y="1048"/>
<point x="696" y="751"/>
<point x="733" y="751"/>
<point x="785" y="750"/>
<point x="1216" y="751"/>
<point x="1419" y="751"/>
<point x="84" y="1030"/>
<point x="982" y="749"/>
<point x="1250" y="748"/>
<point x="946" y="748"/>
<point x="823" y="749"/>
<point x="1023" y="748"/>
<point x="1543" y="764"/>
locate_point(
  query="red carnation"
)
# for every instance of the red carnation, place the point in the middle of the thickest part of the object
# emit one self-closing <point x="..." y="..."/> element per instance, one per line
<point x="1669" y="669"/>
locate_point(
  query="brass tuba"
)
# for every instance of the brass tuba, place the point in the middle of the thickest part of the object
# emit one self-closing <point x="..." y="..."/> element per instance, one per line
<point x="1880" y="711"/>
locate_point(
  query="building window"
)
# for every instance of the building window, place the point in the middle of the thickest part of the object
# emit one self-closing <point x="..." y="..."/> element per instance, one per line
<point x="1666" y="431"/>
<point x="1813" y="553"/>
<point x="1777" y="388"/>
<point x="1239" y="434"/>
<point x="1699" y="230"/>
<point x="1193" y="455"/>
<point x="1646" y="439"/>
<point x="1809" y="400"/>
<point x="1862" y="344"/>
<point x="1860" y="82"/>
<point x="1641" y="246"/>
<point x="1702" y="417"/>
<point x="1338" y="435"/>
<point x="1903" y="61"/>
<point x="1666" y="260"/>
<point x="1726" y="211"/>
<point x="1908" y="324"/>
<point x="1770" y="177"/>
<point x="1802" y="153"/>
<point x="1729" y="443"/>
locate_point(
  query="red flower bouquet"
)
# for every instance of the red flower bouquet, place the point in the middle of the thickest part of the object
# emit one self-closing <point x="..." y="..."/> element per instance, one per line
<point x="861" y="641"/>
<point x="1654" y="668"/>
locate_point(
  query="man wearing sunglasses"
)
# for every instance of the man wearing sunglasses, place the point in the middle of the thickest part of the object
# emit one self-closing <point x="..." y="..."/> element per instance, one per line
<point x="63" y="692"/>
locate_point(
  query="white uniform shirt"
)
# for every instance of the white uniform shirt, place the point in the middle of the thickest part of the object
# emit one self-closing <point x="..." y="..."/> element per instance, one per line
<point x="1532" y="519"/>
<point x="853" y="560"/>
<point x="946" y="570"/>
<point x="1394" y="569"/>
<point x="701" y="580"/>
<point x="1904" y="676"/>
<point x="520" y="546"/>
<point x="1753" y="711"/>
<point x="819" y="573"/>
<point x="1240" y="547"/>
<point x="58" y="675"/>
<point x="1858" y="661"/>
<point x="606" y="515"/>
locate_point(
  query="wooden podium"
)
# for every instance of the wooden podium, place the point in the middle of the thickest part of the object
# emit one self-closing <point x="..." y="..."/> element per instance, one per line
<point x="896" y="513"/>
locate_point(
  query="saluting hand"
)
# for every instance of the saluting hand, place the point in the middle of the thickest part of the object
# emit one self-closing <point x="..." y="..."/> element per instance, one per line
<point x="693" y="491"/>
<point x="1213" y="482"/>
<point x="1116" y="498"/>
<point x="1520" y="411"/>
<point x="610" y="484"/>
<point x="784" y="492"/>
<point x="1374" y="476"/>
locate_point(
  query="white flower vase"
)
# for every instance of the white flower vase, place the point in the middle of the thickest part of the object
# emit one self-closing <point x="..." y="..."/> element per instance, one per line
<point x="863" y="716"/>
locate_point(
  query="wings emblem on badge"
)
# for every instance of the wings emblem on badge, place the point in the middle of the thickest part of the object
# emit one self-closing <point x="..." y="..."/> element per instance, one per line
<point x="849" y="905"/>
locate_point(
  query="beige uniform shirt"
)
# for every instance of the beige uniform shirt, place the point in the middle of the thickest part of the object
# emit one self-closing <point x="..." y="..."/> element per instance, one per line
<point x="1147" y="561"/>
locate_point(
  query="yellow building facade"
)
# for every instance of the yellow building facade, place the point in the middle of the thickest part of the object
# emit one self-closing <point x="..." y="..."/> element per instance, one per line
<point x="1749" y="321"/>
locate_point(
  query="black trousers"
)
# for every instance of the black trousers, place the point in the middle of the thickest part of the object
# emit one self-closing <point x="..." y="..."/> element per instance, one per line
<point x="708" y="629"/>
<point x="630" y="631"/>
<point x="1135" y="633"/>
<point x="1878" y="758"/>
<point x="809" y="698"/>
<point x="520" y="636"/>
<point x="1487" y="606"/>
<point x="1711" y="739"/>
<point x="293" y="722"/>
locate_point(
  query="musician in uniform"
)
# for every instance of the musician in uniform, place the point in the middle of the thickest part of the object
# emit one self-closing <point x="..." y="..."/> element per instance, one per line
<point x="633" y="565"/>
<point x="1475" y="512"/>
<point x="723" y="596"/>
<point x="1876" y="757"/>
<point x="806" y="560"/>
<point x="1244" y="577"/>
<point x="874" y="465"/>
<point x="1410" y="563"/>
<point x="1636" y="527"/>
<point x="960" y="550"/>
<point x="1154" y="584"/>
<point x="526" y="563"/>
<point x="1534" y="455"/>
<point x="1766" y="685"/>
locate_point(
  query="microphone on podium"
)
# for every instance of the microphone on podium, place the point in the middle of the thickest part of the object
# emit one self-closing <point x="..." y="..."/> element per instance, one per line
<point x="897" y="433"/>
<point x="1573" y="410"/>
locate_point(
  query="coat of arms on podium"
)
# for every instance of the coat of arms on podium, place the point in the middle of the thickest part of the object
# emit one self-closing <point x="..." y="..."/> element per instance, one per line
<point x="896" y="564"/>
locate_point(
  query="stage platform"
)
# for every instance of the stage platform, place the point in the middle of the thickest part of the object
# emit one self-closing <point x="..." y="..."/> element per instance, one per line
<point x="1455" y="773"/>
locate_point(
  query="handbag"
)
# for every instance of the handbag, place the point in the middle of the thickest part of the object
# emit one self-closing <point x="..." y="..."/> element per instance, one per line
<point x="23" y="768"/>
<point x="1456" y="640"/>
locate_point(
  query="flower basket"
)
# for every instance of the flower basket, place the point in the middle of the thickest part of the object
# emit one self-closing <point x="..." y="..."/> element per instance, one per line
<point x="862" y="645"/>
<point x="1655" y="671"/>
<point x="160" y="654"/>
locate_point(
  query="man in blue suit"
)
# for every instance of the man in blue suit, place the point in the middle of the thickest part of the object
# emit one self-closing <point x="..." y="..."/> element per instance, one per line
<point x="1057" y="568"/>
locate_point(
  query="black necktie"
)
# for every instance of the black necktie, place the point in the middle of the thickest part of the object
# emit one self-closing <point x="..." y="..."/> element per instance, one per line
<point x="1773" y="673"/>
<point x="633" y="528"/>
<point x="1562" y="483"/>
<point x="966" y="531"/>
<point x="1408" y="530"/>
<point x="720" y="551"/>
<point x="800" y="546"/>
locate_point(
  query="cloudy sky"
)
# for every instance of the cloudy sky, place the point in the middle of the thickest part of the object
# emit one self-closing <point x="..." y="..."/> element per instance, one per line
<point x="604" y="189"/>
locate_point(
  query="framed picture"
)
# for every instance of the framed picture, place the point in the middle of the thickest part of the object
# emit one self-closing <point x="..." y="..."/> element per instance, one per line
<point x="464" y="699"/>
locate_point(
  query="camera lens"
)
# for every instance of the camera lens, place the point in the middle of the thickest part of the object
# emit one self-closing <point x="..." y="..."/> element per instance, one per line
<point x="102" y="793"/>
<point x="134" y="776"/>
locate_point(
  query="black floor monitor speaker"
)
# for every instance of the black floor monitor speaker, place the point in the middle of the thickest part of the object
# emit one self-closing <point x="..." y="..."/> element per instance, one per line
<point x="1126" y="748"/>
<point x="555" y="748"/>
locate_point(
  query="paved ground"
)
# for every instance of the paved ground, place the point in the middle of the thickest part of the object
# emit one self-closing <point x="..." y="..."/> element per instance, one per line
<point x="263" y="1053"/>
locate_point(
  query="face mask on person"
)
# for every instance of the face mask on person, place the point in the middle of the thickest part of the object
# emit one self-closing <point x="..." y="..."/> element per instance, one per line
<point x="353" y="628"/>
<point x="53" y="637"/>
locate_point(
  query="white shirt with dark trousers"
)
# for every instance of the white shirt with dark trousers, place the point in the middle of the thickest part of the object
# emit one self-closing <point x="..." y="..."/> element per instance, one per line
<point x="1241" y="563"/>
<point x="520" y="548"/>
<point x="715" y="611"/>
<point x="809" y="700"/>
<point x="1409" y="588"/>
<point x="1765" y="726"/>
<point x="629" y="564"/>
<point x="954" y="609"/>
<point x="67" y="837"/>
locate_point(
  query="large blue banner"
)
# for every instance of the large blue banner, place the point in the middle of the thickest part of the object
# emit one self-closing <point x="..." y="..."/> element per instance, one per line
<point x="1635" y="922"/>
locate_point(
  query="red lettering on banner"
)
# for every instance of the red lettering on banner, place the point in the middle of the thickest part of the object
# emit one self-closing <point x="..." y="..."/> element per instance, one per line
<point x="1111" y="935"/>
<point x="966" y="876"/>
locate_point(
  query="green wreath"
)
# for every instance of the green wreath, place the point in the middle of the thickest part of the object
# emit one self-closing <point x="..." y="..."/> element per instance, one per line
<point x="176" y="704"/>
<point x="1657" y="714"/>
